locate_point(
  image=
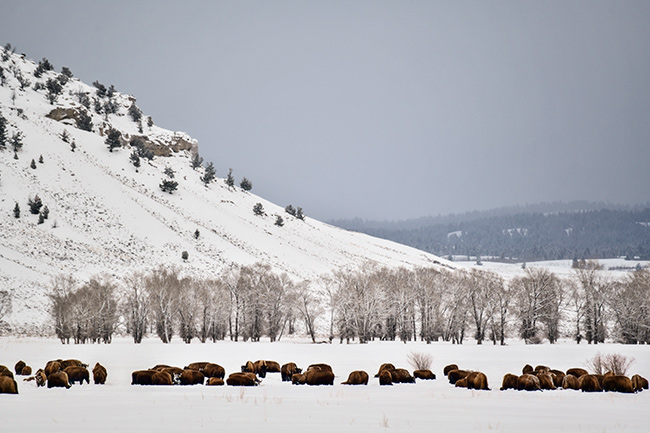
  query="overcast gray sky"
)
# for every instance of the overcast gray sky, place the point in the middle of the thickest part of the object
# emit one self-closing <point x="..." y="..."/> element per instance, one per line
<point x="378" y="109"/>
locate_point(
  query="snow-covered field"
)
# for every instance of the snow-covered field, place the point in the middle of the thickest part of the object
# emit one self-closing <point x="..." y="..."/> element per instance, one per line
<point x="277" y="406"/>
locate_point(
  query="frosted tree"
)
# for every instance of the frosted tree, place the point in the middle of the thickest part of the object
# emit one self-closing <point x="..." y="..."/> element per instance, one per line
<point x="135" y="305"/>
<point x="309" y="308"/>
<point x="188" y="309"/>
<point x="196" y="161"/>
<point x="230" y="180"/>
<point x="246" y="184"/>
<point x="60" y="294"/>
<point x="113" y="139"/>
<point x="596" y="287"/>
<point x="163" y="286"/>
<point x="629" y="303"/>
<point x="209" y="174"/>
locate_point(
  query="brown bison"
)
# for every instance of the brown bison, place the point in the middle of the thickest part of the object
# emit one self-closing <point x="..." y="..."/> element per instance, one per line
<point x="3" y="368"/>
<point x="27" y="370"/>
<point x="385" y="378"/>
<point x="161" y="378"/>
<point x="528" y="369"/>
<point x="577" y="372"/>
<point x="618" y="383"/>
<point x="6" y="372"/>
<point x="448" y="368"/>
<point x="99" y="374"/>
<point x="298" y="379"/>
<point x="192" y="377"/>
<point x="213" y="370"/>
<point x="320" y="367"/>
<point x="477" y="380"/>
<point x="52" y="367"/>
<point x="58" y="379"/>
<point x="589" y="383"/>
<point x="319" y="377"/>
<point x="541" y="369"/>
<point x="288" y="370"/>
<point x="160" y="367"/>
<point x="401" y="375"/>
<point x="357" y="377"/>
<point x="273" y="367"/>
<point x="509" y="382"/>
<point x="528" y="382"/>
<point x="197" y="366"/>
<point x="260" y="368"/>
<point x="454" y="375"/>
<point x="215" y="381"/>
<point x="41" y="378"/>
<point x="249" y="367"/>
<point x="19" y="367"/>
<point x="142" y="377"/>
<point x="558" y="377"/>
<point x="8" y="385"/>
<point x="242" y="379"/>
<point x="424" y="374"/>
<point x="570" y="382"/>
<point x="72" y="363"/>
<point x="639" y="382"/>
<point x="461" y="383"/>
<point x="546" y="381"/>
<point x="386" y="366"/>
<point x="77" y="374"/>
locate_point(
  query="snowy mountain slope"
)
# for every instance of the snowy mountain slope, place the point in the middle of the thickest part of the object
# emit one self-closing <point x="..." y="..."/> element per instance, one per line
<point x="107" y="216"/>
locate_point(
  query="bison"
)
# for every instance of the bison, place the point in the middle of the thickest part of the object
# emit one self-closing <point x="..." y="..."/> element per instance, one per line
<point x="461" y="383"/>
<point x="618" y="383"/>
<point x="288" y="370"/>
<point x="215" y="381"/>
<point x="52" y="367"/>
<point x="319" y="377"/>
<point x="320" y="367"/>
<point x="213" y="370"/>
<point x="570" y="382"/>
<point x="528" y="382"/>
<point x="242" y="379"/>
<point x="589" y="383"/>
<point x="197" y="366"/>
<point x="357" y="377"/>
<point x="558" y="377"/>
<point x="639" y="382"/>
<point x="273" y="367"/>
<point x="8" y="385"/>
<point x="528" y="369"/>
<point x="41" y="378"/>
<point x="58" y="379"/>
<point x="162" y="378"/>
<point x="477" y="380"/>
<point x="77" y="374"/>
<point x="192" y="377"/>
<point x="385" y="378"/>
<point x="577" y="372"/>
<point x="72" y="363"/>
<point x="448" y="368"/>
<point x="386" y="366"/>
<point x="298" y="379"/>
<point x="260" y="368"/>
<point x="454" y="375"/>
<point x="541" y="369"/>
<point x="19" y="367"/>
<point x="142" y="377"/>
<point x="546" y="381"/>
<point x="424" y="374"/>
<point x="401" y="375"/>
<point x="509" y="382"/>
<point x="99" y="374"/>
<point x="27" y="370"/>
<point x="6" y="372"/>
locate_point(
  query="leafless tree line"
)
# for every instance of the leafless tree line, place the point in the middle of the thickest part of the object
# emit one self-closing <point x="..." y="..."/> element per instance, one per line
<point x="372" y="303"/>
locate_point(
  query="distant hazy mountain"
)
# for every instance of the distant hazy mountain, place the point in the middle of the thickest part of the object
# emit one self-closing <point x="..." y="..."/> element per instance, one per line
<point x="532" y="232"/>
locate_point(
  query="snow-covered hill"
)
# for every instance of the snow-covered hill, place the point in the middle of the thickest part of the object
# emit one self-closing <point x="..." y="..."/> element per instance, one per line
<point x="106" y="216"/>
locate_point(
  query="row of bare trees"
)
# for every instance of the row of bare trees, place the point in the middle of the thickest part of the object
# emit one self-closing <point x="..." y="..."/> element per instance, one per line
<point x="251" y="302"/>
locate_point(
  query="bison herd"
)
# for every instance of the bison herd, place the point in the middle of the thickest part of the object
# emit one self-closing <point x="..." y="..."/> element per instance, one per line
<point x="56" y="373"/>
<point x="65" y="373"/>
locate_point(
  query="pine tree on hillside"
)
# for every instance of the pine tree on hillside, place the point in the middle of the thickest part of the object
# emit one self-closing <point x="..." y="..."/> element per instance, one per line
<point x="3" y="132"/>
<point x="54" y="89"/>
<point x="17" y="141"/>
<point x="279" y="221"/>
<point x="66" y="71"/>
<point x="84" y="121"/>
<point x="299" y="214"/>
<point x="168" y="185"/>
<point x="101" y="89"/>
<point x="230" y="180"/>
<point x="34" y="204"/>
<point x="135" y="112"/>
<point x="209" y="174"/>
<point x="17" y="210"/>
<point x="246" y="184"/>
<point x="33" y="164"/>
<point x="135" y="159"/>
<point x="169" y="172"/>
<point x="290" y="210"/>
<point x="196" y="160"/>
<point x="113" y="139"/>
<point x="258" y="209"/>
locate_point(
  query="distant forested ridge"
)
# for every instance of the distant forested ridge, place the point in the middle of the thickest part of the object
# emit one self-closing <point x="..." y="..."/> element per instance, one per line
<point x="539" y="235"/>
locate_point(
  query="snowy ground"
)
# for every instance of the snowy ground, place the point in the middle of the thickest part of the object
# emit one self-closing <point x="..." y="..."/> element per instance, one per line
<point x="277" y="406"/>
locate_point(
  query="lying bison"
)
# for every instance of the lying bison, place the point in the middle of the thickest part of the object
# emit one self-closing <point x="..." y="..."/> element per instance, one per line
<point x="198" y="366"/>
<point x="192" y="377"/>
<point x="454" y="375"/>
<point x="589" y="383"/>
<point x="448" y="368"/>
<point x="570" y="382"/>
<point x="528" y="369"/>
<point x="40" y="377"/>
<point x="19" y="367"/>
<point x="477" y="380"/>
<point x="546" y="381"/>
<point x="528" y="382"/>
<point x="424" y="374"/>
<point x="401" y="375"/>
<point x="319" y="377"/>
<point x="142" y="377"/>
<point x="77" y="374"/>
<point x="215" y="381"/>
<point x="288" y="370"/>
<point x="386" y="366"/>
<point x="99" y="374"/>
<point x="8" y="385"/>
<point x="161" y="378"/>
<point x="213" y="370"/>
<point x="509" y="382"/>
<point x="577" y="372"/>
<point x="639" y="382"/>
<point x="27" y="370"/>
<point x="58" y="379"/>
<point x="242" y="379"/>
<point x="357" y="377"/>
<point x="320" y="367"/>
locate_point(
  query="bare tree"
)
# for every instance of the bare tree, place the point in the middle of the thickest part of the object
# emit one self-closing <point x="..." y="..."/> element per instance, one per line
<point x="163" y="285"/>
<point x="362" y="301"/>
<point x="478" y="299"/>
<point x="629" y="303"/>
<point x="187" y="308"/>
<point x="455" y="307"/>
<point x="533" y="293"/>
<point x="136" y="305"/>
<point x="499" y="303"/>
<point x="63" y="287"/>
<point x="596" y="287"/>
<point x="577" y="302"/>
<point x="5" y="305"/>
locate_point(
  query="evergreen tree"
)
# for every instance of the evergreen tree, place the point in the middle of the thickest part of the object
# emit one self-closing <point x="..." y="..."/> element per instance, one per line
<point x="209" y="174"/>
<point x="149" y="122"/>
<point x="17" y="210"/>
<point x="73" y="146"/>
<point x="40" y="159"/>
<point x="54" y="89"/>
<point x="290" y="210"/>
<point x="197" y="233"/>
<point x="33" y="164"/>
<point x="65" y="136"/>
<point x="66" y="71"/>
<point x="135" y="112"/>
<point x="169" y="172"/>
<point x="113" y="139"/>
<point x="45" y="212"/>
<point x="246" y="184"/>
<point x="258" y="209"/>
<point x="84" y="121"/>
<point x="135" y="159"/>
<point x="168" y="185"/>
<point x="101" y="89"/>
<point x="35" y="204"/>
<point x="299" y="214"/>
<point x="279" y="221"/>
<point x="3" y="132"/>
<point x="196" y="160"/>
<point x="230" y="180"/>
<point x="17" y="142"/>
<point x="111" y="91"/>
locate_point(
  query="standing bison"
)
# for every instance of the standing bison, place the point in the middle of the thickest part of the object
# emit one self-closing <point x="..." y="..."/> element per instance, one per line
<point x="19" y="367"/>
<point x="77" y="374"/>
<point x="288" y="370"/>
<point x="99" y="374"/>
<point x="509" y="382"/>
<point x="477" y="380"/>
<point x="617" y="383"/>
<point x="385" y="378"/>
<point x="386" y="366"/>
<point x="639" y="382"/>
<point x="8" y="385"/>
<point x="58" y="379"/>
<point x="528" y="382"/>
<point x="454" y="375"/>
<point x="448" y="368"/>
<point x="213" y="370"/>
